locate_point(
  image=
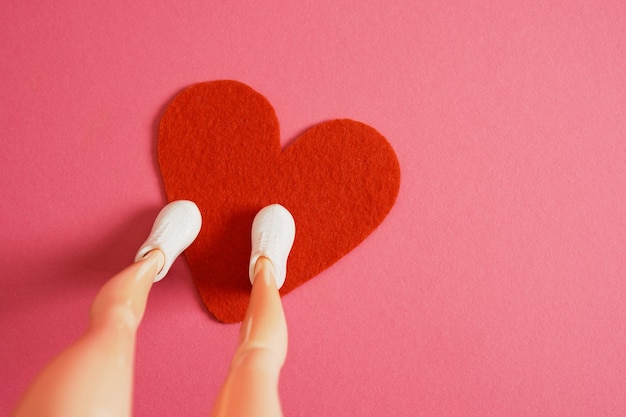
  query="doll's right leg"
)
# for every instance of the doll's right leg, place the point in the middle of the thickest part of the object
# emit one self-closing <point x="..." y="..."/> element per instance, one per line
<point x="251" y="387"/>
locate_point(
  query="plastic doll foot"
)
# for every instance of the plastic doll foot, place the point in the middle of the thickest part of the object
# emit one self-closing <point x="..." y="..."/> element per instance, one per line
<point x="273" y="233"/>
<point x="176" y="226"/>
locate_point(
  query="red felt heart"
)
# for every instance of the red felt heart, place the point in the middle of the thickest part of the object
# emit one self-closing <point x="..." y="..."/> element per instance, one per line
<point x="219" y="146"/>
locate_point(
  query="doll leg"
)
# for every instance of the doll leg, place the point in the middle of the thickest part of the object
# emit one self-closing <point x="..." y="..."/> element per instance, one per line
<point x="93" y="376"/>
<point x="251" y="387"/>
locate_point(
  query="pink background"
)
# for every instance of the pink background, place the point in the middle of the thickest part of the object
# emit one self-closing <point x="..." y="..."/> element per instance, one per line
<point x="497" y="284"/>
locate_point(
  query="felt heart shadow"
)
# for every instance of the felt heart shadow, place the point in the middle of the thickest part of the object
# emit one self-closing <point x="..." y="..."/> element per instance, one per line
<point x="219" y="146"/>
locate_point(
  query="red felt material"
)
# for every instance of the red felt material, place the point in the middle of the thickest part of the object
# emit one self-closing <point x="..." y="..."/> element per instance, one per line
<point x="219" y="146"/>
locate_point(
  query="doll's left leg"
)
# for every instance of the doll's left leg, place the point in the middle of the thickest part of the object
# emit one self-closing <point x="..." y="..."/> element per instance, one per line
<point x="93" y="376"/>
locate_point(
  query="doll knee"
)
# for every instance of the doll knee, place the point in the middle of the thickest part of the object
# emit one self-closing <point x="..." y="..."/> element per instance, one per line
<point x="258" y="358"/>
<point x="118" y="315"/>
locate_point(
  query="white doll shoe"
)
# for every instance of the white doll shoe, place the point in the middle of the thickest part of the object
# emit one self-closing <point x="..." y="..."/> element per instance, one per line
<point x="176" y="226"/>
<point x="273" y="233"/>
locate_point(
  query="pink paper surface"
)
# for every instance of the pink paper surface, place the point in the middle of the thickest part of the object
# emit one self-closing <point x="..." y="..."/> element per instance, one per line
<point x="496" y="286"/>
